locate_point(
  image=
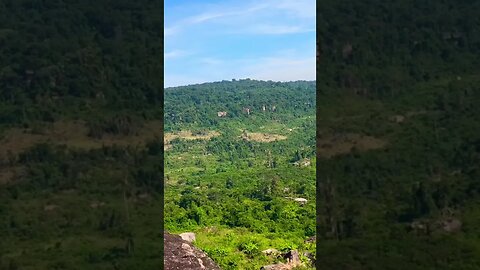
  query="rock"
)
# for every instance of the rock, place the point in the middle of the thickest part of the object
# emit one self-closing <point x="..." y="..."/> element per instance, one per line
<point x="310" y="256"/>
<point x="447" y="224"/>
<point x="144" y="196"/>
<point x="293" y="258"/>
<point x="270" y="251"/>
<point x="96" y="204"/>
<point x="419" y="227"/>
<point x="188" y="236"/>
<point x="302" y="201"/>
<point x="50" y="207"/>
<point x="397" y="118"/>
<point x="451" y="225"/>
<point x="181" y="255"/>
<point x="278" y="266"/>
<point x="303" y="163"/>
<point x="312" y="239"/>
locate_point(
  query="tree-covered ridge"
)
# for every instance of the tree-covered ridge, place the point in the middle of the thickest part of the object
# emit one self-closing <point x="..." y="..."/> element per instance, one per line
<point x="236" y="189"/>
<point x="74" y="57"/>
<point x="199" y="104"/>
<point x="381" y="48"/>
<point x="80" y="177"/>
<point x="405" y="73"/>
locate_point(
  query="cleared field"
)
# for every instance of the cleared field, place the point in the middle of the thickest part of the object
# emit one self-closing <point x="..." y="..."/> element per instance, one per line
<point x="262" y="137"/>
<point x="188" y="135"/>
<point x="73" y="134"/>
<point x="333" y="145"/>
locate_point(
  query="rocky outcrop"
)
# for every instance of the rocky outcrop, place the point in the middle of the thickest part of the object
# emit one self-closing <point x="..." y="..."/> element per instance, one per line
<point x="429" y="226"/>
<point x="182" y="255"/>
<point x="293" y="260"/>
<point x="188" y="236"/>
<point x="278" y="266"/>
<point x="271" y="252"/>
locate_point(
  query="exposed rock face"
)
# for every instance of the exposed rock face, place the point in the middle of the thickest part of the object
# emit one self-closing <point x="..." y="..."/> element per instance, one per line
<point x="445" y="224"/>
<point x="181" y="255"/>
<point x="312" y="239"/>
<point x="451" y="225"/>
<point x="50" y="207"/>
<point x="271" y="251"/>
<point x="397" y="118"/>
<point x="293" y="260"/>
<point x="278" y="266"/>
<point x="188" y="236"/>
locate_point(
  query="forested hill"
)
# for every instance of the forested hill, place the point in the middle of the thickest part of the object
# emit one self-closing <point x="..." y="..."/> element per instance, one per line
<point x="401" y="79"/>
<point x="381" y="48"/>
<point x="200" y="104"/>
<point x="237" y="153"/>
<point x="65" y="57"/>
<point x="80" y="99"/>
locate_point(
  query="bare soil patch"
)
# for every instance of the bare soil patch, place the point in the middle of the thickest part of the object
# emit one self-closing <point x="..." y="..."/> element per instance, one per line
<point x="262" y="137"/>
<point x="188" y="135"/>
<point x="333" y="145"/>
<point x="10" y="174"/>
<point x="73" y="134"/>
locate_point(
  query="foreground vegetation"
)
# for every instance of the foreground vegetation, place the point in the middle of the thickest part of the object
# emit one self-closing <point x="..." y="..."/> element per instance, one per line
<point x="232" y="179"/>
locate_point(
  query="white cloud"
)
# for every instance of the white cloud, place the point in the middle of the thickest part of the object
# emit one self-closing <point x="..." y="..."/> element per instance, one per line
<point x="211" y="61"/>
<point x="285" y="65"/>
<point x="169" y="31"/>
<point x="292" y="16"/>
<point x="203" y="27"/>
<point x="278" y="29"/>
<point x="175" y="54"/>
<point x="283" y="69"/>
<point x="298" y="8"/>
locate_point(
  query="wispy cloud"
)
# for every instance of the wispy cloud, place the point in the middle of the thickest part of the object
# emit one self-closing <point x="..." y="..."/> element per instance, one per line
<point x="268" y="40"/>
<point x="283" y="69"/>
<point x="211" y="61"/>
<point x="175" y="54"/>
<point x="284" y="65"/>
<point x="278" y="29"/>
<point x="299" y="8"/>
<point x="239" y="17"/>
<point x="168" y="31"/>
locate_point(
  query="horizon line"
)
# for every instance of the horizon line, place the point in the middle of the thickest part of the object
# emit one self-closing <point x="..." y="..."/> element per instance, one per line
<point x="237" y="80"/>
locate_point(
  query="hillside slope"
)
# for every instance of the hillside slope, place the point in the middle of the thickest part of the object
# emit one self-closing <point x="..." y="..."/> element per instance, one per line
<point x="233" y="178"/>
<point x="79" y="101"/>
<point x="405" y="73"/>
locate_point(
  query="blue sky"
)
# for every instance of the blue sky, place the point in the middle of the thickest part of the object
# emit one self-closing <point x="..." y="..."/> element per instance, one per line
<point x="213" y="40"/>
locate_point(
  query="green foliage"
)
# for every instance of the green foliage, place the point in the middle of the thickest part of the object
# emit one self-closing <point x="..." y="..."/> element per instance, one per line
<point x="417" y="60"/>
<point x="231" y="191"/>
<point x="94" y="57"/>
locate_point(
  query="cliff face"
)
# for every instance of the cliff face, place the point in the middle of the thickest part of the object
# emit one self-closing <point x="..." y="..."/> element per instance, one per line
<point x="182" y="255"/>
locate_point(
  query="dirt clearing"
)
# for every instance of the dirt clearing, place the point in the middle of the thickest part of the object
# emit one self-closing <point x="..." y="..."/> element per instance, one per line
<point x="188" y="135"/>
<point x="333" y="145"/>
<point x="262" y="137"/>
<point x="72" y="134"/>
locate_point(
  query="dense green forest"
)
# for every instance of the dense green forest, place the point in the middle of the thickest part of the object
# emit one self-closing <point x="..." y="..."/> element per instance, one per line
<point x="80" y="96"/>
<point x="398" y="142"/>
<point x="399" y="85"/>
<point x="78" y="58"/>
<point x="233" y="179"/>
